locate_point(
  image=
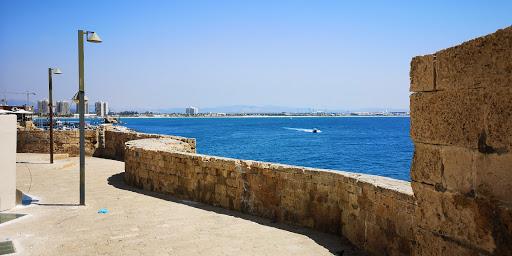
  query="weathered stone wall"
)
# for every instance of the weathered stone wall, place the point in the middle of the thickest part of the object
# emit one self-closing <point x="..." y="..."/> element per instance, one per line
<point x="113" y="144"/>
<point x="38" y="141"/>
<point x="461" y="124"/>
<point x="106" y="141"/>
<point x="375" y="213"/>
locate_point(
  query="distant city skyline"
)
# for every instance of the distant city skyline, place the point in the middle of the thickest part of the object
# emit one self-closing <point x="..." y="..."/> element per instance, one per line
<point x="159" y="55"/>
<point x="225" y="108"/>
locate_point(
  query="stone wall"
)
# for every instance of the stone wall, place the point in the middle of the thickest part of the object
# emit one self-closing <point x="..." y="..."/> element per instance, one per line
<point x="38" y="141"/>
<point x="113" y="144"/>
<point x="461" y="124"/>
<point x="107" y="141"/>
<point x="373" y="212"/>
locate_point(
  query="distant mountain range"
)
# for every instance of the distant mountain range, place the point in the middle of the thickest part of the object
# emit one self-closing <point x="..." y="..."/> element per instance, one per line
<point x="236" y="109"/>
<point x="273" y="109"/>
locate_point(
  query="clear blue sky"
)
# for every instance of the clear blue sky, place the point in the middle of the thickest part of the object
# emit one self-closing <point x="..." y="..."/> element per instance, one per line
<point x="164" y="54"/>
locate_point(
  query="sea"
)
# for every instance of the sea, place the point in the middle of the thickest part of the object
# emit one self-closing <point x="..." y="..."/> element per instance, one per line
<point x="372" y="145"/>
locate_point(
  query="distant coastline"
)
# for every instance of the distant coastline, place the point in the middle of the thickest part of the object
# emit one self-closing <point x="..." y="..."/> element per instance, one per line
<point x="134" y="114"/>
<point x="260" y="116"/>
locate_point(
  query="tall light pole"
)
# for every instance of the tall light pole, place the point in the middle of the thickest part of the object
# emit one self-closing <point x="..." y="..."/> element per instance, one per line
<point x="93" y="38"/>
<point x="50" y="106"/>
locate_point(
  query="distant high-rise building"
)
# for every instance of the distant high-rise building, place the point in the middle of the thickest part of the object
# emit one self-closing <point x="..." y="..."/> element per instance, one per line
<point x="43" y="107"/>
<point x="101" y="108"/>
<point x="63" y="108"/>
<point x="191" y="111"/>
<point x="105" y="108"/>
<point x="98" y="108"/>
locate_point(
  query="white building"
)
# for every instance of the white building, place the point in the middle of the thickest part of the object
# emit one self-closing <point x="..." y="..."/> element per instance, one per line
<point x="191" y="111"/>
<point x="8" y="162"/>
<point x="43" y="107"/>
<point x="101" y="108"/>
<point x="63" y="108"/>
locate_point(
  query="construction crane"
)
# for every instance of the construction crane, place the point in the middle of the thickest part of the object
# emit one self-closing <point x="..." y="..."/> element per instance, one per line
<point x="28" y="93"/>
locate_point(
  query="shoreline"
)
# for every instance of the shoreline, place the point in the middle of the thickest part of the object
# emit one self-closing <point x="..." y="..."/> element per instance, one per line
<point x="255" y="116"/>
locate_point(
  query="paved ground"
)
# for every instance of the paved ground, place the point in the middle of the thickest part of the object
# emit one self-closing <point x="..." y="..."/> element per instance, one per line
<point x="138" y="222"/>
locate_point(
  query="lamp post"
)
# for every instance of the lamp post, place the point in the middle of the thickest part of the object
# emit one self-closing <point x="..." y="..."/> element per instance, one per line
<point x="93" y="38"/>
<point x="50" y="106"/>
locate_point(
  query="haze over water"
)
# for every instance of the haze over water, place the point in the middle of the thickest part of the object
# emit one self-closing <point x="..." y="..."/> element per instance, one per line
<point x="371" y="145"/>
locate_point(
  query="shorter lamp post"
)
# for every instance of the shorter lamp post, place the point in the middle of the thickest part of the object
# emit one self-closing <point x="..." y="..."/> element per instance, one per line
<point x="50" y="106"/>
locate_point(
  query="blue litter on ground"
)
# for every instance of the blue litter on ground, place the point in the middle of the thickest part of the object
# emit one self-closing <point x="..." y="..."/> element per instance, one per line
<point x="103" y="211"/>
<point x="27" y="200"/>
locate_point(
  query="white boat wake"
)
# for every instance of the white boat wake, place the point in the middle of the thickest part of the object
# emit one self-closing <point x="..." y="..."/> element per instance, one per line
<point x="303" y="130"/>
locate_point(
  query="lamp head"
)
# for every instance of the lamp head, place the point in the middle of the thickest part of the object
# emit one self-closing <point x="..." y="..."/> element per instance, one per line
<point x="93" y="37"/>
<point x="75" y="98"/>
<point x="57" y="71"/>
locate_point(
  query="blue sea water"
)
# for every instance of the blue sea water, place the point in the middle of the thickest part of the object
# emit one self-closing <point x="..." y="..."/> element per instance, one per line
<point x="372" y="145"/>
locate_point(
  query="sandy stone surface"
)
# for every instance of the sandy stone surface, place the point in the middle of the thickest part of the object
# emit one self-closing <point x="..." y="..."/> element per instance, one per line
<point x="138" y="222"/>
<point x="462" y="167"/>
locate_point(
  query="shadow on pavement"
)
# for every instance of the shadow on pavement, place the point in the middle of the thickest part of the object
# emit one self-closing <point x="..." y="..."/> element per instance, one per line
<point x="337" y="245"/>
<point x="56" y="204"/>
<point x="25" y="162"/>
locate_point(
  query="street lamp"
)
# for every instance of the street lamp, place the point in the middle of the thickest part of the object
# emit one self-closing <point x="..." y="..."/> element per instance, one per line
<point x="92" y="37"/>
<point x="50" y="106"/>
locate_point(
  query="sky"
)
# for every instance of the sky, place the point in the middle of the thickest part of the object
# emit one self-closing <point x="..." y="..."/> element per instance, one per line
<point x="157" y="55"/>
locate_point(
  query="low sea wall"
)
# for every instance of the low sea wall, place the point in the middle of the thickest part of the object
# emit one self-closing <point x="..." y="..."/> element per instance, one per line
<point x="106" y="141"/>
<point x="113" y="144"/>
<point x="38" y="141"/>
<point x="375" y="213"/>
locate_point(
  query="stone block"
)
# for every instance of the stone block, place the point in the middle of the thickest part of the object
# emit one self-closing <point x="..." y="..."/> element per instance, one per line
<point x="431" y="244"/>
<point x="448" y="117"/>
<point x="404" y="220"/>
<point x="501" y="217"/>
<point x="220" y="189"/>
<point x="384" y="241"/>
<point x="460" y="217"/>
<point x="353" y="227"/>
<point x="377" y="240"/>
<point x="422" y="73"/>
<point x="498" y="136"/>
<point x="427" y="164"/>
<point x="477" y="119"/>
<point x="232" y="182"/>
<point x="494" y="176"/>
<point x="483" y="62"/>
<point x="458" y="173"/>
